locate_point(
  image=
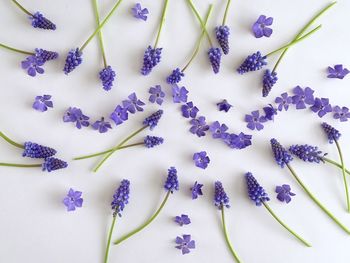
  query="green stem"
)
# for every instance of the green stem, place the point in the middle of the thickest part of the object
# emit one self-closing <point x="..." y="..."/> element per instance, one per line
<point x="118" y="241"/>
<point x="11" y="141"/>
<point x="101" y="25"/>
<point x="200" y="21"/>
<point x="296" y="41"/>
<point x="226" y="12"/>
<point x="226" y="236"/>
<point x="316" y="201"/>
<point x="100" y="37"/>
<point x="20" y="165"/>
<point x="165" y="7"/>
<point x="335" y="164"/>
<point x="302" y="32"/>
<point x="109" y="238"/>
<point x="199" y="40"/>
<point x="22" y="8"/>
<point x="285" y="226"/>
<point x="344" y="175"/>
<point x="17" y="50"/>
<point x="118" y="146"/>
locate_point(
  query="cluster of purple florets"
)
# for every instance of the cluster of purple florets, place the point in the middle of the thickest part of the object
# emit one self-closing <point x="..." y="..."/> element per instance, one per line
<point x="52" y="164"/>
<point x="222" y="33"/>
<point x="256" y="192"/>
<point x="172" y="182"/>
<point x="151" y="58"/>
<point x="175" y="76"/>
<point x="107" y="76"/>
<point x="152" y="141"/>
<point x="121" y="197"/>
<point x="152" y="120"/>
<point x="73" y="60"/>
<point x="34" y="150"/>
<point x="269" y="79"/>
<point x="282" y="156"/>
<point x="45" y="55"/>
<point x="214" y="55"/>
<point x="253" y="62"/>
<point x="307" y="153"/>
<point x="39" y="21"/>
<point x="220" y="197"/>
<point x="332" y="133"/>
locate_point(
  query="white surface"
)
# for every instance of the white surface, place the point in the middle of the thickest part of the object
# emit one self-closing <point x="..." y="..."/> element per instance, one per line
<point x="34" y="225"/>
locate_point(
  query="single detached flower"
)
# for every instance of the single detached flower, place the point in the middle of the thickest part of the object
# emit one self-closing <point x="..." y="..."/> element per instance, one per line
<point x="218" y="130"/>
<point x="33" y="65"/>
<point x="341" y="113"/>
<point x="185" y="244"/>
<point x="102" y="126"/>
<point x="73" y="60"/>
<point x="239" y="141"/>
<point x="222" y="34"/>
<point x="119" y="115"/>
<point x="254" y="121"/>
<point x="39" y="21"/>
<point x="284" y="193"/>
<point x="76" y="116"/>
<point x="337" y="72"/>
<point x="214" y="55"/>
<point x="196" y="190"/>
<point x="302" y="97"/>
<point x="179" y="94"/>
<point x="199" y="126"/>
<point x="252" y="63"/>
<point x="52" y="164"/>
<point x="139" y="12"/>
<point x="133" y="104"/>
<point x="201" y="159"/>
<point x="307" y="153"/>
<point x="42" y="103"/>
<point x="157" y="95"/>
<point x="224" y="106"/>
<point x="34" y="150"/>
<point x="269" y="79"/>
<point x="260" y="27"/>
<point x="73" y="200"/>
<point x="321" y="107"/>
<point x="270" y="112"/>
<point x="107" y="76"/>
<point x="332" y="133"/>
<point x="152" y="141"/>
<point x="284" y="101"/>
<point x="151" y="58"/>
<point x="182" y="220"/>
<point x="175" y="77"/>
<point x="189" y="110"/>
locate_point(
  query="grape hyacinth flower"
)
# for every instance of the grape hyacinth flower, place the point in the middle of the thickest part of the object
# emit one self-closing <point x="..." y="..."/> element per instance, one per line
<point x="185" y="243"/>
<point x="76" y="116"/>
<point x="222" y="34"/>
<point x="157" y="95"/>
<point x="101" y="126"/>
<point x="270" y="112"/>
<point x="171" y="185"/>
<point x="175" y="77"/>
<point x="283" y="101"/>
<point x="196" y="190"/>
<point x="45" y="55"/>
<point x="239" y="141"/>
<point x="332" y="133"/>
<point x="189" y="110"/>
<point x="269" y="79"/>
<point x="139" y="12"/>
<point x="52" y="164"/>
<point x="182" y="220"/>
<point x="258" y="195"/>
<point x="73" y="60"/>
<point x="73" y="200"/>
<point x="283" y="158"/>
<point x="119" y="115"/>
<point x="152" y="141"/>
<point x="42" y="103"/>
<point x="201" y="159"/>
<point x="321" y="107"/>
<point x="341" y="113"/>
<point x="133" y="104"/>
<point x="224" y="106"/>
<point x="338" y="72"/>
<point x="254" y="121"/>
<point x="179" y="94"/>
<point x="284" y="193"/>
<point x="107" y="76"/>
<point x="260" y="27"/>
<point x="199" y="126"/>
<point x="302" y="97"/>
<point x="218" y="130"/>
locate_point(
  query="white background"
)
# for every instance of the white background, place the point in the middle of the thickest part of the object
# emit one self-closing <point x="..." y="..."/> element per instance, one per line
<point x="34" y="225"/>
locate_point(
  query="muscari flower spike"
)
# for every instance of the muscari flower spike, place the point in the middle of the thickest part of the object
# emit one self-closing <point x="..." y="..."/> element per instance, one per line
<point x="52" y="164"/>
<point x="151" y="58"/>
<point x="269" y="79"/>
<point x="34" y="150"/>
<point x="39" y="21"/>
<point x="222" y="34"/>
<point x="332" y="133"/>
<point x="214" y="55"/>
<point x="252" y="63"/>
<point x="152" y="141"/>
<point x="107" y="76"/>
<point x="175" y="77"/>
<point x="171" y="183"/>
<point x="152" y="120"/>
<point x="282" y="156"/>
<point x="73" y="60"/>
<point x="45" y="55"/>
<point x="307" y="153"/>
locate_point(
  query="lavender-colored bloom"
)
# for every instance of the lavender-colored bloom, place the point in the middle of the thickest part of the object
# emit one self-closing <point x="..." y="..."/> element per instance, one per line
<point x="182" y="220"/>
<point x="139" y="12"/>
<point x="175" y="76"/>
<point x="201" y="159"/>
<point x="321" y="107"/>
<point x="218" y="130"/>
<point x="52" y="164"/>
<point x="342" y="113"/>
<point x="332" y="133"/>
<point x="254" y="121"/>
<point x="73" y="200"/>
<point x="283" y="101"/>
<point x="107" y="76"/>
<point x="199" y="126"/>
<point x="239" y="141"/>
<point x="252" y="63"/>
<point x="302" y="97"/>
<point x="119" y="115"/>
<point x="196" y="190"/>
<point x="121" y="197"/>
<point x="33" y="65"/>
<point x="153" y="119"/>
<point x="337" y="72"/>
<point x="220" y="197"/>
<point x="185" y="244"/>
<point x="151" y="58"/>
<point x="256" y="192"/>
<point x="77" y="116"/>
<point x="41" y="103"/>
<point x="39" y="21"/>
<point x="45" y="55"/>
<point x="133" y="103"/>
<point x="102" y="126"/>
<point x="284" y="193"/>
<point x="269" y="79"/>
<point x="307" y="153"/>
<point x="189" y="110"/>
<point x="282" y="156"/>
<point x="73" y="59"/>
<point x="157" y="94"/>
<point x="260" y="28"/>
<point x="214" y="55"/>
<point x="222" y="33"/>
<point x="34" y="150"/>
<point x="224" y="106"/>
<point x="270" y="112"/>
<point x="179" y="94"/>
<point x="171" y="183"/>
<point x="152" y="141"/>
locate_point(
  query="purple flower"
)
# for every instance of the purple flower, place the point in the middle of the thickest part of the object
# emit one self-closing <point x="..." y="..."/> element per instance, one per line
<point x="337" y="72"/>
<point x="33" y="65"/>
<point x="321" y="107"/>
<point x="269" y="79"/>
<point x="253" y="62"/>
<point x="189" y="110"/>
<point x="107" y="76"/>
<point x="307" y="153"/>
<point x="52" y="164"/>
<point x="260" y="28"/>
<point x="175" y="76"/>
<point x="239" y="141"/>
<point x="157" y="94"/>
<point x="73" y="59"/>
<point x="151" y="58"/>
<point x="224" y="106"/>
<point x="185" y="244"/>
<point x="102" y="126"/>
<point x="332" y="133"/>
<point x="342" y="114"/>
<point x="218" y="130"/>
<point x="41" y="103"/>
<point x="201" y="159"/>
<point x="133" y="103"/>
<point x="172" y="183"/>
<point x="284" y="193"/>
<point x="45" y="55"/>
<point x="152" y="120"/>
<point x="77" y="116"/>
<point x="182" y="220"/>
<point x="222" y="33"/>
<point x="121" y="198"/>
<point x="302" y="97"/>
<point x="282" y="156"/>
<point x="220" y="197"/>
<point x="119" y="115"/>
<point x="39" y="21"/>
<point x="179" y="94"/>
<point x="34" y="150"/>
<point x="214" y="55"/>
<point x="73" y="200"/>
<point x="196" y="190"/>
<point x="270" y="112"/>
<point x="254" y="121"/>
<point x="152" y="141"/>
<point x="256" y="192"/>
<point x="283" y="101"/>
<point x="139" y="12"/>
<point x="199" y="126"/>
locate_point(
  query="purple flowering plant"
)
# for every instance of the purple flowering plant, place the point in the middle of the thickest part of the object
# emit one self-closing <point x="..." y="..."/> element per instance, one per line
<point x="201" y="159"/>
<point x="139" y="12"/>
<point x="73" y="200"/>
<point x="338" y="72"/>
<point x="76" y="116"/>
<point x="222" y="32"/>
<point x="284" y="193"/>
<point x="261" y="27"/>
<point x="182" y="220"/>
<point x="157" y="95"/>
<point x="196" y="190"/>
<point x="185" y="243"/>
<point x="224" y="105"/>
<point x="42" y="103"/>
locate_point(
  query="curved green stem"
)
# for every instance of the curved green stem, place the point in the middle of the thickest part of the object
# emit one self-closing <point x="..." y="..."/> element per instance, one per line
<point x="285" y="226"/>
<point x="335" y="164"/>
<point x="316" y="201"/>
<point x="118" y="241"/>
<point x="11" y="141"/>
<point x="22" y="8"/>
<point x="296" y="41"/>
<point x="199" y="40"/>
<point x="233" y="252"/>
<point x="17" y="50"/>
<point x="165" y="7"/>
<point x="200" y="21"/>
<point x="20" y="165"/>
<point x="100" y="37"/>
<point x="226" y="12"/>
<point x="101" y="25"/>
<point x="109" y="238"/>
<point x="118" y="146"/>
